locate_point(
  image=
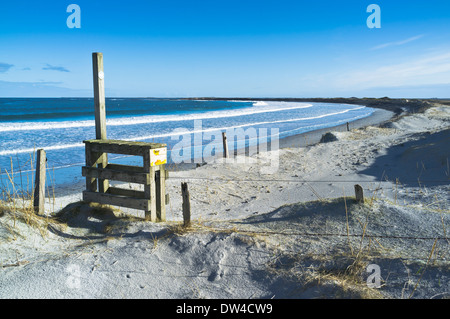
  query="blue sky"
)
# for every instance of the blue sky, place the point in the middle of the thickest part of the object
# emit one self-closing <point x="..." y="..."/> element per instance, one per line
<point x="226" y="48"/>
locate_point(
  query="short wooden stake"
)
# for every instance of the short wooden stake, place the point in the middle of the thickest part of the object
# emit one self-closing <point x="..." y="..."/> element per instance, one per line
<point x="160" y="185"/>
<point x="39" y="185"/>
<point x="186" y="204"/>
<point x="150" y="188"/>
<point x="359" y="195"/>
<point x="348" y="128"/>
<point x="225" y="145"/>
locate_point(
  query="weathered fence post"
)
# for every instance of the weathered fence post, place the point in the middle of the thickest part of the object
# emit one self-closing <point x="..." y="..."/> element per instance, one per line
<point x="186" y="204"/>
<point x="100" y="112"/>
<point x="225" y="145"/>
<point x="99" y="95"/>
<point x="160" y="185"/>
<point x="150" y="187"/>
<point x="39" y="186"/>
<point x="359" y="195"/>
<point x="91" y="161"/>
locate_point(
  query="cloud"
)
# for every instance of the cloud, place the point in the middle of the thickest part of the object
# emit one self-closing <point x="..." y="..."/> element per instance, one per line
<point x="55" y="68"/>
<point x="397" y="43"/>
<point x="437" y="90"/>
<point x="40" y="89"/>
<point x="4" y="67"/>
<point x="424" y="70"/>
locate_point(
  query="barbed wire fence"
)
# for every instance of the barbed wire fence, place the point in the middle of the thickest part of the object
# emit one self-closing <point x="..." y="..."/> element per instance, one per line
<point x="26" y="172"/>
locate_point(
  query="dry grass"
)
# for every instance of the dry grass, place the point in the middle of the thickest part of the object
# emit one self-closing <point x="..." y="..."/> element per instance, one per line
<point x="16" y="201"/>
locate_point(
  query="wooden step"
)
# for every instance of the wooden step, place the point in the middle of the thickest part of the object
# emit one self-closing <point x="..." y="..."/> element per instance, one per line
<point x="122" y="175"/>
<point x="117" y="200"/>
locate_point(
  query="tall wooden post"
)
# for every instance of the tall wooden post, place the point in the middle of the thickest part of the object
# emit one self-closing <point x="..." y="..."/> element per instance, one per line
<point x="39" y="187"/>
<point x="100" y="112"/>
<point x="99" y="95"/>
<point x="225" y="145"/>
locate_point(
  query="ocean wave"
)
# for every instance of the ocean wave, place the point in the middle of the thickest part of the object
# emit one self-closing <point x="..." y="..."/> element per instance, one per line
<point x="46" y="147"/>
<point x="257" y="108"/>
<point x="182" y="131"/>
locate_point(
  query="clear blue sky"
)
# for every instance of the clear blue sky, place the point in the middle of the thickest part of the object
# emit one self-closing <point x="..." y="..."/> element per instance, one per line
<point x="227" y="48"/>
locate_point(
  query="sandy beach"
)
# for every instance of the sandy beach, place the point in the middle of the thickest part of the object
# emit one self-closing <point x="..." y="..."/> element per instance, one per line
<point x="256" y="233"/>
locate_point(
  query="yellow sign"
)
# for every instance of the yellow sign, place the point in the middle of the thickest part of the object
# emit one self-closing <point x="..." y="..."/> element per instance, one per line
<point x="158" y="156"/>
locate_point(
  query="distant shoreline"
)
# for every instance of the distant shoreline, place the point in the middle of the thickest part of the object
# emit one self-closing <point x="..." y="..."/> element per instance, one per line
<point x="387" y="110"/>
<point x="398" y="106"/>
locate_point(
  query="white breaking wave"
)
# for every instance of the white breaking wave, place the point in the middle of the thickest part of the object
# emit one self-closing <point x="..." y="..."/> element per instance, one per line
<point x="181" y="131"/>
<point x="178" y="132"/>
<point x="257" y="108"/>
<point x="47" y="148"/>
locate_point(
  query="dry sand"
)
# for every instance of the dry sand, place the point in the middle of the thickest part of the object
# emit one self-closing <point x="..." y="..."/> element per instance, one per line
<point x="294" y="234"/>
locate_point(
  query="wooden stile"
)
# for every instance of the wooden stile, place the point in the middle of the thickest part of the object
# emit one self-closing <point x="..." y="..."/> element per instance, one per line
<point x="98" y="172"/>
<point x="152" y="200"/>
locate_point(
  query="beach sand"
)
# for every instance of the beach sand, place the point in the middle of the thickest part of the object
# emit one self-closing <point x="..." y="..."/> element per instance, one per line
<point x="293" y="231"/>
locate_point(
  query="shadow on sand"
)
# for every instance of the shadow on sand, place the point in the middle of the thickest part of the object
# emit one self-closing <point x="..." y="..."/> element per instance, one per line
<point x="424" y="162"/>
<point x="90" y="221"/>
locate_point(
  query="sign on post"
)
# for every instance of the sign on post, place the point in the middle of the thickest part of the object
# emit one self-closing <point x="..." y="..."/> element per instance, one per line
<point x="158" y="156"/>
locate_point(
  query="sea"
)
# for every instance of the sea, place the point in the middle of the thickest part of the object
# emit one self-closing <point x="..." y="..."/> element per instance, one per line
<point x="60" y="125"/>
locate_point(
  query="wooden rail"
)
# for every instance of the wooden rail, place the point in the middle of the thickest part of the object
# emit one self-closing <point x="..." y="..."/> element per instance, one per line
<point x="152" y="175"/>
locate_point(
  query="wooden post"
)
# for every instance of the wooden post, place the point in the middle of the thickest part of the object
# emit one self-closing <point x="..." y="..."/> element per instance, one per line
<point x="99" y="95"/>
<point x="359" y="195"/>
<point x="348" y="128"/>
<point x="166" y="177"/>
<point x="91" y="160"/>
<point x="186" y="204"/>
<point x="39" y="187"/>
<point x="150" y="188"/>
<point x="100" y="112"/>
<point x="161" y="193"/>
<point x="225" y="145"/>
